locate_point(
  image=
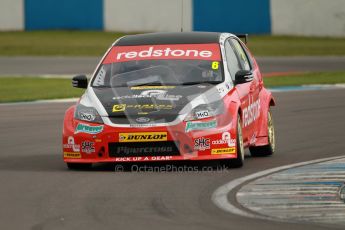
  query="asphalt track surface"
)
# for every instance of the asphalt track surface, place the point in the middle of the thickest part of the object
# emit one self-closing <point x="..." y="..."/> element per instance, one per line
<point x="86" y="65"/>
<point x="38" y="192"/>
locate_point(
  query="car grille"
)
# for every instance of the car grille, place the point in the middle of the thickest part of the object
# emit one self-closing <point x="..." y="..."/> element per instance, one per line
<point x="135" y="149"/>
<point x="133" y="119"/>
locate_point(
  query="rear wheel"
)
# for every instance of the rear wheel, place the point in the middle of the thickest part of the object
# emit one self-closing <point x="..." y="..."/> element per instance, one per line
<point x="269" y="149"/>
<point x="79" y="166"/>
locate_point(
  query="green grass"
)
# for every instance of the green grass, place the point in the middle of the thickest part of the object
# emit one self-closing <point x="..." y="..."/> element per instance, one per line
<point x="296" y="46"/>
<point x="95" y="43"/>
<point x="305" y="79"/>
<point x="14" y="89"/>
<point x="56" y="43"/>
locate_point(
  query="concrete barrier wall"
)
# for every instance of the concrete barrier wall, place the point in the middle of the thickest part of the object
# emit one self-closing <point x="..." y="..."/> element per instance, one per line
<point x="147" y="15"/>
<point x="308" y="17"/>
<point x="11" y="14"/>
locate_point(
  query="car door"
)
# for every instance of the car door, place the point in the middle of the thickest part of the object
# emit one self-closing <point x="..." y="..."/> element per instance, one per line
<point x="243" y="90"/>
<point x="252" y="111"/>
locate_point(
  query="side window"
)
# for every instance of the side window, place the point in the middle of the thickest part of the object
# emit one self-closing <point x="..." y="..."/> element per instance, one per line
<point x="233" y="62"/>
<point x="241" y="54"/>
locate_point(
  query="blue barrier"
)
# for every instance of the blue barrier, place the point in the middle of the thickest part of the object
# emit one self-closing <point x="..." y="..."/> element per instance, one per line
<point x="237" y="16"/>
<point x="63" y="14"/>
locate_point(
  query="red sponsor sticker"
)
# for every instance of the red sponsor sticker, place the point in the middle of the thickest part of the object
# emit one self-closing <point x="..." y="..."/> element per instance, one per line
<point x="159" y="52"/>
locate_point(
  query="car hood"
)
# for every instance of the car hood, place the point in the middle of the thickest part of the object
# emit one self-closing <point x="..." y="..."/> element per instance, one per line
<point x="153" y="104"/>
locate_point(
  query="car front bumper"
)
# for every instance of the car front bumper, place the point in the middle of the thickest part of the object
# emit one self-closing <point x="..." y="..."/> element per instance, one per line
<point x="102" y="143"/>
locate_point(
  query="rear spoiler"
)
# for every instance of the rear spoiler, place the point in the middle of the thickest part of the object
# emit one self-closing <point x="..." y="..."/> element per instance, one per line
<point x="245" y="36"/>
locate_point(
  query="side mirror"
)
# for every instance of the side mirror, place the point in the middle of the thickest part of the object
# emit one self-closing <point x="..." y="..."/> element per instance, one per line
<point x="243" y="76"/>
<point x="79" y="81"/>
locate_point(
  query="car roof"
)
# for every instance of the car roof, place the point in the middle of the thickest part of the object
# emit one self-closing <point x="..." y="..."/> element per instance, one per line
<point x="169" y="38"/>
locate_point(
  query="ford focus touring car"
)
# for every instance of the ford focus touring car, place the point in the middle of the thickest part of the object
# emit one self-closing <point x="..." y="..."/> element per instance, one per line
<point x="168" y="97"/>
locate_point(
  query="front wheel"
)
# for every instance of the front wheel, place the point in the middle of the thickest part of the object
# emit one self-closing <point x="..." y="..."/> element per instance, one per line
<point x="79" y="166"/>
<point x="238" y="161"/>
<point x="266" y="150"/>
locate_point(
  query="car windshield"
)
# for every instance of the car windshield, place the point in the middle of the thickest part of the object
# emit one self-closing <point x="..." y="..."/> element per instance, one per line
<point x="160" y="65"/>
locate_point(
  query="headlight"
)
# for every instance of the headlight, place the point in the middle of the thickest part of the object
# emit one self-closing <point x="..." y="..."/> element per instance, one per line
<point x="89" y="114"/>
<point x="205" y="111"/>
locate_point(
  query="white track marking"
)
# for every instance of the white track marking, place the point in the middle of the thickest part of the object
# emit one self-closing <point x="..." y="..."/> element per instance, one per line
<point x="307" y="88"/>
<point x="274" y="195"/>
<point x="220" y="196"/>
<point x="41" y="102"/>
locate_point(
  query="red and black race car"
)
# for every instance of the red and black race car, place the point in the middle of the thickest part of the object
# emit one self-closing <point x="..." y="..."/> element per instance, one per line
<point x="171" y="96"/>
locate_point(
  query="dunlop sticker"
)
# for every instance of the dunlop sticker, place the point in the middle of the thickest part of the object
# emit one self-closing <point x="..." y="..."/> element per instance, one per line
<point x="71" y="155"/>
<point x="223" y="151"/>
<point x="143" y="137"/>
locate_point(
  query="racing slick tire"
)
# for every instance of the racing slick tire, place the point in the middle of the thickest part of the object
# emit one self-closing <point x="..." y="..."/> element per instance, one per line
<point x="79" y="166"/>
<point x="266" y="150"/>
<point x="238" y="161"/>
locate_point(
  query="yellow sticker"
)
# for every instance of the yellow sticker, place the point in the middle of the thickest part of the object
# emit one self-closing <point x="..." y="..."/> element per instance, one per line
<point x="143" y="137"/>
<point x="71" y="155"/>
<point x="223" y="151"/>
<point x="119" y="108"/>
<point x="122" y="107"/>
<point x="215" y="65"/>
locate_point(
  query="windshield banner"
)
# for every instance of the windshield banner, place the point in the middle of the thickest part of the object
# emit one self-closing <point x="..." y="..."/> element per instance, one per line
<point x="158" y="52"/>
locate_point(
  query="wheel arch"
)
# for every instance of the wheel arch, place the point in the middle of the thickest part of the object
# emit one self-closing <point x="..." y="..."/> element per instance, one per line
<point x="266" y="101"/>
<point x="68" y="120"/>
<point x="235" y="110"/>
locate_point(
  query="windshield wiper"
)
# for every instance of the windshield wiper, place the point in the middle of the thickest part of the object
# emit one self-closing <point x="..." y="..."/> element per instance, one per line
<point x="201" y="82"/>
<point x="147" y="83"/>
